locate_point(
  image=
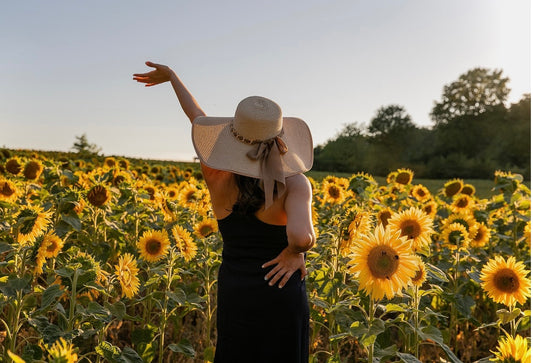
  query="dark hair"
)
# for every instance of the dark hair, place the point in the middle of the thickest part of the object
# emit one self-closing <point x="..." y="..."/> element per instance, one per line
<point x="251" y="195"/>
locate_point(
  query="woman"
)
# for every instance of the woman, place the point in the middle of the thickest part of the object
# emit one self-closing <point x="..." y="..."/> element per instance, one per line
<point x="252" y="164"/>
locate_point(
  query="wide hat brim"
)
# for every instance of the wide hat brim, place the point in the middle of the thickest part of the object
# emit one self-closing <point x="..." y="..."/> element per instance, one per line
<point x="218" y="148"/>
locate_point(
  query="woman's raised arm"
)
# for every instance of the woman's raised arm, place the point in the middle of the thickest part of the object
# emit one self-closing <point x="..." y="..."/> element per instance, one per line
<point x="162" y="74"/>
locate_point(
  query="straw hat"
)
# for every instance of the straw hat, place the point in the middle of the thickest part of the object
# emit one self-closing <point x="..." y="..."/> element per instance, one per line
<point x="257" y="142"/>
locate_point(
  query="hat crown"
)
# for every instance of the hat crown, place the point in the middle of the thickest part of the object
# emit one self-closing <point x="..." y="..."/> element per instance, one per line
<point x="258" y="118"/>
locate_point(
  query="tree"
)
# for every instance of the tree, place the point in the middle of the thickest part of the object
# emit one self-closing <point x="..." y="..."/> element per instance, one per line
<point x="82" y="146"/>
<point x="475" y="92"/>
<point x="390" y="119"/>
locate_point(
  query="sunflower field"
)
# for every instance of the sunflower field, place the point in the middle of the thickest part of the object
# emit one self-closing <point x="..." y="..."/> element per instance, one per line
<point x="116" y="260"/>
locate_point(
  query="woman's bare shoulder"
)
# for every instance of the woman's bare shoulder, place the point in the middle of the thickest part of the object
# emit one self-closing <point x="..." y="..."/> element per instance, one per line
<point x="298" y="182"/>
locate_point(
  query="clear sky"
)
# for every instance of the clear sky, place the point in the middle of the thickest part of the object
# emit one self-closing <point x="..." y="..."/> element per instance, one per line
<point x="67" y="65"/>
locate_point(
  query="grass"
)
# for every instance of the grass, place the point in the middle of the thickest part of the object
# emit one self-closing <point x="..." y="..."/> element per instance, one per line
<point x="483" y="186"/>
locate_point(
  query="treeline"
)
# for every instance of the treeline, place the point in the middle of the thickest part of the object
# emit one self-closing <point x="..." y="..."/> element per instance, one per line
<point x="474" y="133"/>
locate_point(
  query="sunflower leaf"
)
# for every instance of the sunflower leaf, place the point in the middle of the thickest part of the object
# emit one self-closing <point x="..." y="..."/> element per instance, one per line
<point x="72" y="220"/>
<point x="407" y="358"/>
<point x="50" y="295"/>
<point x="184" y="347"/>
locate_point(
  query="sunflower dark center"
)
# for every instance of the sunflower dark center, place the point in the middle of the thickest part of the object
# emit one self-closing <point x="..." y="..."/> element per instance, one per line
<point x="410" y="229"/>
<point x="480" y="235"/>
<point x="7" y="190"/>
<point x="428" y="209"/>
<point x="97" y="196"/>
<point x="383" y="262"/>
<point x="206" y="230"/>
<point x="190" y="196"/>
<point x="453" y="189"/>
<point x="421" y="193"/>
<point x="418" y="275"/>
<point x="118" y="179"/>
<point x="462" y="203"/>
<point x="13" y="166"/>
<point x="506" y="280"/>
<point x="32" y="170"/>
<point x="455" y="237"/>
<point x="334" y="192"/>
<point x="153" y="246"/>
<point x="52" y="246"/>
<point x="403" y="178"/>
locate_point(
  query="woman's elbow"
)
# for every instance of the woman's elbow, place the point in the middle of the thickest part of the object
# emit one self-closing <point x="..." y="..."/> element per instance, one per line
<point x="302" y="241"/>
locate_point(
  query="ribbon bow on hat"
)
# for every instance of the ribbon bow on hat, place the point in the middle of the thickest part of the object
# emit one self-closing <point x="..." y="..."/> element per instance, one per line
<point x="268" y="153"/>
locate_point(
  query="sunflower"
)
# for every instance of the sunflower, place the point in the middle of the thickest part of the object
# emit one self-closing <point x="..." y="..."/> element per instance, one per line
<point x="360" y="225"/>
<point x="153" y="245"/>
<point x="333" y="193"/>
<point x="184" y="242"/>
<point x="189" y="194"/>
<point x="151" y="190"/>
<point x="462" y="203"/>
<point x="404" y="176"/>
<point x="468" y="189"/>
<point x="80" y="164"/>
<point x="415" y="225"/>
<point x="126" y="272"/>
<point x="110" y="162"/>
<point x="186" y="174"/>
<point x="391" y="177"/>
<point x="206" y="227"/>
<point x="506" y="282"/>
<point x="481" y="236"/>
<point x="14" y="165"/>
<point x="383" y="216"/>
<point x="156" y="169"/>
<point x="33" y="169"/>
<point x="421" y="274"/>
<point x="512" y="350"/>
<point x="62" y="352"/>
<point x="79" y="206"/>
<point x="8" y="191"/>
<point x="98" y="195"/>
<point x="455" y="235"/>
<point x="361" y="180"/>
<point x="172" y="192"/>
<point x="124" y="164"/>
<point x="120" y="176"/>
<point x="51" y="245"/>
<point x="40" y="260"/>
<point x="383" y="263"/>
<point x="33" y="222"/>
<point x="167" y="208"/>
<point x="430" y="208"/>
<point x="466" y="219"/>
<point x="420" y="192"/>
<point x="452" y="187"/>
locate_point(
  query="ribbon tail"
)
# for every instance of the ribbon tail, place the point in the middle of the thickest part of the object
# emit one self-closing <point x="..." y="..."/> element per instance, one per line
<point x="273" y="174"/>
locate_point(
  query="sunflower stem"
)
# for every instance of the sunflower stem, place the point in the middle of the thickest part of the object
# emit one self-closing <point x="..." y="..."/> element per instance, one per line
<point x="416" y="303"/>
<point x="512" y="323"/>
<point x="72" y="301"/>
<point x="164" y="312"/>
<point x="371" y="313"/>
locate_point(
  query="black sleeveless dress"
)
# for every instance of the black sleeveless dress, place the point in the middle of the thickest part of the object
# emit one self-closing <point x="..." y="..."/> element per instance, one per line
<point x="256" y="322"/>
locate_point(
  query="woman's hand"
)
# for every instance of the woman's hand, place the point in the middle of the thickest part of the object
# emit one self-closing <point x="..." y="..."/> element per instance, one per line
<point x="161" y="74"/>
<point x="286" y="264"/>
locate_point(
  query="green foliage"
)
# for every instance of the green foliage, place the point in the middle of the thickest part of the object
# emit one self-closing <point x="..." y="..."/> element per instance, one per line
<point x="473" y="135"/>
<point x="84" y="148"/>
<point x="475" y="92"/>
